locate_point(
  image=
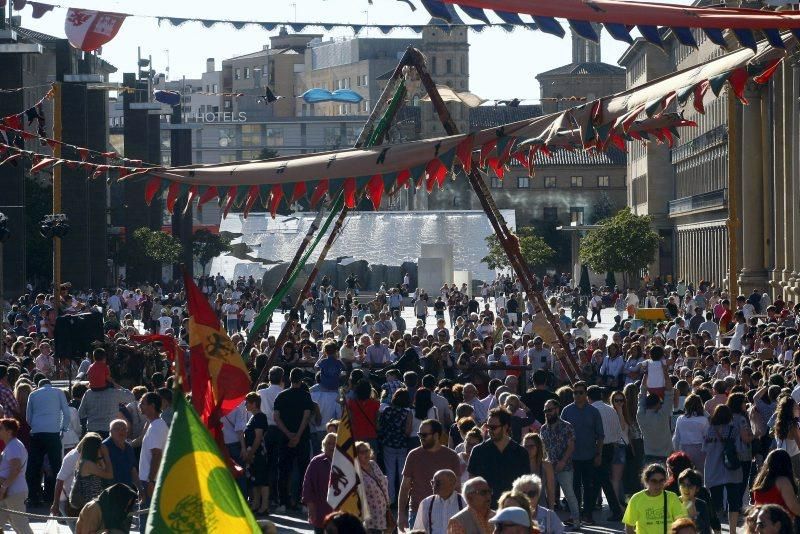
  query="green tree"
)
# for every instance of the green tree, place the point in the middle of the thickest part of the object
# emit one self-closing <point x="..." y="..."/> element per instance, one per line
<point x="207" y="245"/>
<point x="602" y="208"/>
<point x="559" y="241"/>
<point x="158" y="246"/>
<point x="268" y="153"/>
<point x="623" y="243"/>
<point x="535" y="251"/>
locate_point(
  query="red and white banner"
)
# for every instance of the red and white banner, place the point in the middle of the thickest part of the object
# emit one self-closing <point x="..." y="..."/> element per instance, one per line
<point x="89" y="30"/>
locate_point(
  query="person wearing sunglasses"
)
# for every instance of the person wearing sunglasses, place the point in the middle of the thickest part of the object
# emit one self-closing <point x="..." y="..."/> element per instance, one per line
<point x="649" y="510"/>
<point x="474" y="519"/>
<point x="436" y="510"/>
<point x="546" y="518"/>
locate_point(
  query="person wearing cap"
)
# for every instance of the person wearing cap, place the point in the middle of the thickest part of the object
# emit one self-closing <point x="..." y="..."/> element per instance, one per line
<point x="474" y="519"/>
<point x="512" y="520"/>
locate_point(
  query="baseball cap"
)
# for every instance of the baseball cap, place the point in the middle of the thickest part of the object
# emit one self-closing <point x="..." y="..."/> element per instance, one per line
<point x="514" y="515"/>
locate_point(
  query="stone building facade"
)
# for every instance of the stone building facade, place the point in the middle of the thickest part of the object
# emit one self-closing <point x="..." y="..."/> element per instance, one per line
<point x="690" y="197"/>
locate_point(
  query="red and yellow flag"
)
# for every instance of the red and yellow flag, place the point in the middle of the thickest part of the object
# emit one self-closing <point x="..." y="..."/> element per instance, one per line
<point x="218" y="373"/>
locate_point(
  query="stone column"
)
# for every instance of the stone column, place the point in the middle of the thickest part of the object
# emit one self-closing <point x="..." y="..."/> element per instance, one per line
<point x="794" y="145"/>
<point x="778" y="191"/>
<point x="753" y="273"/>
<point x="788" y="191"/>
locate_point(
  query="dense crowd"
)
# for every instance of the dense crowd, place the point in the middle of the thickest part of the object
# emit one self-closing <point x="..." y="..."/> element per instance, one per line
<point x="465" y="419"/>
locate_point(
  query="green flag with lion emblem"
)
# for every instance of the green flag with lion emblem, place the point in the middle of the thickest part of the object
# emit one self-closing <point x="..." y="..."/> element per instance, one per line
<point x="195" y="492"/>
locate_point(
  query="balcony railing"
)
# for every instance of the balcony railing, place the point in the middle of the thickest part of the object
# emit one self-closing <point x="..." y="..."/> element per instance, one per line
<point x="703" y="201"/>
<point x="710" y="139"/>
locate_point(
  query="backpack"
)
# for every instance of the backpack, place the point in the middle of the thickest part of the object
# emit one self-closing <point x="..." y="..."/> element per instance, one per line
<point x="730" y="456"/>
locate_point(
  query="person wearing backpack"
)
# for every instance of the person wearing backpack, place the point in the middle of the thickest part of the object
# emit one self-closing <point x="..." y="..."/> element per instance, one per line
<point x="723" y="469"/>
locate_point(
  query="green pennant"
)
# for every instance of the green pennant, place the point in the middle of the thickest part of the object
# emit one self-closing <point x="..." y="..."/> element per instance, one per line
<point x="448" y="157"/>
<point x="604" y="130"/>
<point x="264" y="191"/>
<point x="222" y="192"/>
<point x="718" y="82"/>
<point x="417" y="174"/>
<point x="241" y="195"/>
<point x="651" y="107"/>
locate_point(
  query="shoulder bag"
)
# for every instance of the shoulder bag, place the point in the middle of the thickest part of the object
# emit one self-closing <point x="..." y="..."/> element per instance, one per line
<point x="391" y="522"/>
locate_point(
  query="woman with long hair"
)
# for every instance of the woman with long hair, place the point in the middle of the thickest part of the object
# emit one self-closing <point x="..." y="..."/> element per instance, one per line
<point x="255" y="454"/>
<point x="635" y="454"/>
<point x="786" y="431"/>
<point x="690" y="431"/>
<point x="620" y="405"/>
<point x="541" y="467"/>
<point x="773" y="519"/>
<point x="94" y="466"/>
<point x="364" y="413"/>
<point x="394" y="430"/>
<point x="423" y="409"/>
<point x="775" y="483"/>
<point x="472" y="439"/>
<point x="737" y="402"/>
<point x="718" y="477"/>
<point x="14" y="489"/>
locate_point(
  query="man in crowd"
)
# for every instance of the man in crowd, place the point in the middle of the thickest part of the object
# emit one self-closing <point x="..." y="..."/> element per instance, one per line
<point x="436" y="510"/>
<point x="49" y="416"/>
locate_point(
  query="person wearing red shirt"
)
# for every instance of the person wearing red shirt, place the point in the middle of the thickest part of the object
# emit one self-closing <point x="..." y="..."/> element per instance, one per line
<point x="364" y="414"/>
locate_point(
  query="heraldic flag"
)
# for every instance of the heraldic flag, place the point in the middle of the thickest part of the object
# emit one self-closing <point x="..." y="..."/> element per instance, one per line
<point x="219" y="376"/>
<point x="345" y="489"/>
<point x="195" y="491"/>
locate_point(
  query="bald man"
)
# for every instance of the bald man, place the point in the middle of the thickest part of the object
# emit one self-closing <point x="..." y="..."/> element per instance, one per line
<point x="434" y="511"/>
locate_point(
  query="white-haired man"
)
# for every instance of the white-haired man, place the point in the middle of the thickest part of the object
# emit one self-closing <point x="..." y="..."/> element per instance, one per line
<point x="474" y="519"/>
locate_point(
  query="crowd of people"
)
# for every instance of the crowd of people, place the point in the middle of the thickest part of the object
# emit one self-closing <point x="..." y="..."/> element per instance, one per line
<point x="464" y="418"/>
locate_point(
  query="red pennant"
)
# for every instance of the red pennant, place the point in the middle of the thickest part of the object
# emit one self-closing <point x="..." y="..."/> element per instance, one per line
<point x="28" y="135"/>
<point x="110" y="154"/>
<point x="319" y="192"/>
<point x="189" y="198"/>
<point x="13" y="121"/>
<point x="99" y="170"/>
<point x="349" y="189"/>
<point x="768" y="72"/>
<point x="464" y="152"/>
<point x="11" y="158"/>
<point x="172" y="195"/>
<point x="618" y="142"/>
<point x="208" y="195"/>
<point x="403" y="178"/>
<point x="84" y="153"/>
<point x="522" y="158"/>
<point x="252" y="195"/>
<point x="122" y="172"/>
<point x="436" y="173"/>
<point x="496" y="166"/>
<point x="375" y="190"/>
<point x="43" y="164"/>
<point x="229" y="204"/>
<point x="298" y="192"/>
<point x="275" y="198"/>
<point x="699" y="92"/>
<point x="52" y="143"/>
<point x="486" y="149"/>
<point x="71" y="164"/>
<point x="738" y="79"/>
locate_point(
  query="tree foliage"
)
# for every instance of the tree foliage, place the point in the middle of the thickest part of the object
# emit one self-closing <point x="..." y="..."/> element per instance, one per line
<point x="268" y="153"/>
<point x="207" y="245"/>
<point x="623" y="243"/>
<point x="602" y="208"/>
<point x="158" y="246"/>
<point x="535" y="250"/>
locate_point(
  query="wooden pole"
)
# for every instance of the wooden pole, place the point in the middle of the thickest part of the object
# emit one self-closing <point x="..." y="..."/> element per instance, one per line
<point x="733" y="183"/>
<point x="57" y="135"/>
<point x="507" y="239"/>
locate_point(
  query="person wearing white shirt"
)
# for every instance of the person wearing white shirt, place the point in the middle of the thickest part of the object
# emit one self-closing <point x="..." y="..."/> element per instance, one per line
<point x="613" y="448"/>
<point x="690" y="431"/>
<point x="631" y="303"/>
<point x="709" y="326"/>
<point x="611" y="370"/>
<point x="64" y="480"/>
<point x="436" y="510"/>
<point x="672" y="333"/>
<point x="480" y="412"/>
<point x="164" y="322"/>
<point x="328" y="408"/>
<point x="153" y="445"/>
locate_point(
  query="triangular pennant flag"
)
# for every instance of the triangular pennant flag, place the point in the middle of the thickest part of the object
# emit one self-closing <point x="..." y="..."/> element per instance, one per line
<point x="375" y="190"/>
<point x="684" y="93"/>
<point x="44" y="163"/>
<point x="208" y="23"/>
<point x="438" y="9"/>
<point x="509" y="18"/>
<point x="222" y="194"/>
<point x="252" y="195"/>
<point x="190" y="198"/>
<point x="275" y="199"/>
<point x="298" y="192"/>
<point x="718" y="82"/>
<point x="716" y="36"/>
<point x="585" y="30"/>
<point x="403" y="178"/>
<point x="774" y="37"/>
<point x="172" y="195"/>
<point x="685" y="36"/>
<point x="476" y="13"/>
<point x="746" y="38"/>
<point x="738" y="80"/>
<point x="11" y="158"/>
<point x="619" y="31"/>
<point x="40" y="9"/>
<point x="652" y="34"/>
<point x="83" y="153"/>
<point x="699" y="92"/>
<point x="768" y="72"/>
<point x="385" y="29"/>
<point x="464" y="152"/>
<point x="210" y="193"/>
<point x="549" y="25"/>
<point x="496" y="166"/>
<point x="447" y="158"/>
<point x="349" y="188"/>
<point x="319" y="192"/>
<point x="418" y="174"/>
<point x="231" y="197"/>
<point x="487" y="149"/>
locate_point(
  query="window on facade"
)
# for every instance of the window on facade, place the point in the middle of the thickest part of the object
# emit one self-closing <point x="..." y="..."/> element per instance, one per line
<point x="448" y="66"/>
<point x="332" y="136"/>
<point x="251" y="135"/>
<point x="227" y="104"/>
<point x="603" y="181"/>
<point x="274" y="136"/>
<point x="226" y="137"/>
<point x="342" y="109"/>
<point x="523" y="182"/>
<point x="550" y="213"/>
<point x="576" y="181"/>
<point x="549" y="182"/>
<point x="247" y="73"/>
<point x="365" y="105"/>
<point x="576" y="215"/>
<point x="497" y="183"/>
<point x="237" y="73"/>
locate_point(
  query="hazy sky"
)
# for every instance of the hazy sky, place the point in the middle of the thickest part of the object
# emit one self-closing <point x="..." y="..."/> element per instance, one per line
<point x="502" y="64"/>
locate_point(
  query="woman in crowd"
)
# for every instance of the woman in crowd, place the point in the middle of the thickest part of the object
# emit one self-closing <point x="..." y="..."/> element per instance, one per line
<point x="635" y="455"/>
<point x="548" y="521"/>
<point x="541" y="467"/>
<point x="773" y="519"/>
<point x="111" y="511"/>
<point x="737" y="402"/>
<point x="93" y="468"/>
<point x="698" y="510"/>
<point x="364" y="413"/>
<point x="684" y="525"/>
<point x="472" y="439"/>
<point x="14" y="489"/>
<point x="376" y="488"/>
<point x="638" y="513"/>
<point x="718" y="477"/>
<point x="394" y="429"/>
<point x="255" y="454"/>
<point x="620" y="405"/>
<point x="690" y="431"/>
<point x="787" y="432"/>
<point x="423" y="409"/>
<point x="678" y="463"/>
<point x="775" y="482"/>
